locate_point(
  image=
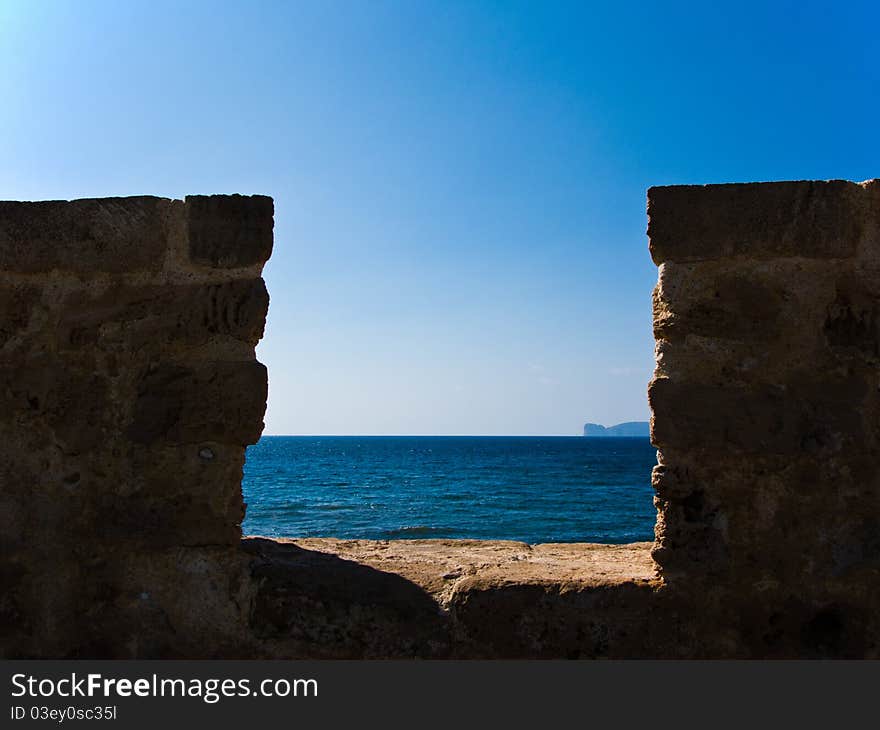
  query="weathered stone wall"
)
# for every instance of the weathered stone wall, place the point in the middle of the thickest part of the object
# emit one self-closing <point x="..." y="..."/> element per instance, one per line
<point x="766" y="413"/>
<point x="128" y="391"/>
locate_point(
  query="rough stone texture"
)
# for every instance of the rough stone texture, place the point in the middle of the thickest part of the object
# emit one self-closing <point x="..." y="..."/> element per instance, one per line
<point x="765" y="412"/>
<point x="330" y="598"/>
<point x="810" y="219"/>
<point x="229" y="231"/>
<point x="129" y="389"/>
<point x="128" y="392"/>
<point x="108" y="234"/>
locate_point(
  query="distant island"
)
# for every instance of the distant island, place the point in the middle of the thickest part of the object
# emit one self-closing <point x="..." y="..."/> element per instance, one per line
<point x="629" y="429"/>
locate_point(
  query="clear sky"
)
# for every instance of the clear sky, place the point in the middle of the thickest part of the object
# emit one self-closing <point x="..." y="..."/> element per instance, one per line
<point x="459" y="186"/>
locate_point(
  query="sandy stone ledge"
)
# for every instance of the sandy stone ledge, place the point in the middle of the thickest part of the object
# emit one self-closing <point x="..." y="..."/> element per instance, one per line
<point x="443" y="567"/>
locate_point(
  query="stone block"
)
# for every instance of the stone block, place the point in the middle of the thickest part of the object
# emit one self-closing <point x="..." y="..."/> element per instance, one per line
<point x="229" y="231"/>
<point x="812" y="219"/>
<point x="730" y="306"/>
<point x="192" y="404"/>
<point x="131" y="318"/>
<point x="112" y="235"/>
<point x="820" y="417"/>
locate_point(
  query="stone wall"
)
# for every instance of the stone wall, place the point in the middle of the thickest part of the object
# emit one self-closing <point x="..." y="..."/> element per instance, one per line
<point x="128" y="391"/>
<point x="766" y="412"/>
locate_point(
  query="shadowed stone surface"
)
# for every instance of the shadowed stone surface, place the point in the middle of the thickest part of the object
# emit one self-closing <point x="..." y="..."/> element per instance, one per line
<point x="129" y="390"/>
<point x="765" y="411"/>
<point x="153" y="316"/>
<point x="449" y="598"/>
<point x="808" y="218"/>
<point x="91" y="235"/>
<point x="229" y="231"/>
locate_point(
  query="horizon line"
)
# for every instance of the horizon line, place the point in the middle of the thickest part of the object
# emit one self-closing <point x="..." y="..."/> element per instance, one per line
<point x="439" y="435"/>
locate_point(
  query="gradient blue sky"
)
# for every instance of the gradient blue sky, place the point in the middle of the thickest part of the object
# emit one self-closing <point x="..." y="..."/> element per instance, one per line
<point x="459" y="186"/>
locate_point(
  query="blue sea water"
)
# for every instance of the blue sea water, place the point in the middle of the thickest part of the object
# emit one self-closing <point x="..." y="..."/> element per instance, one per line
<point x="534" y="489"/>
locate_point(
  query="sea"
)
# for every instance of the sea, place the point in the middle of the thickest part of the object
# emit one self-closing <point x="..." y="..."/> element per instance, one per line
<point x="531" y="489"/>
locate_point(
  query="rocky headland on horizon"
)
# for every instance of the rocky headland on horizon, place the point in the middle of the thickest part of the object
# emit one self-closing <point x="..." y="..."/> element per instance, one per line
<point x="628" y="429"/>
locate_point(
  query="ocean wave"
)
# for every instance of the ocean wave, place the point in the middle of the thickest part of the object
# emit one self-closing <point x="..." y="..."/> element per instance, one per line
<point x="415" y="530"/>
<point x="287" y="508"/>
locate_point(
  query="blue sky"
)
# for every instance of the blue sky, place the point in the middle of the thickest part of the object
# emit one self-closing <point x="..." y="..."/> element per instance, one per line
<point x="459" y="186"/>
